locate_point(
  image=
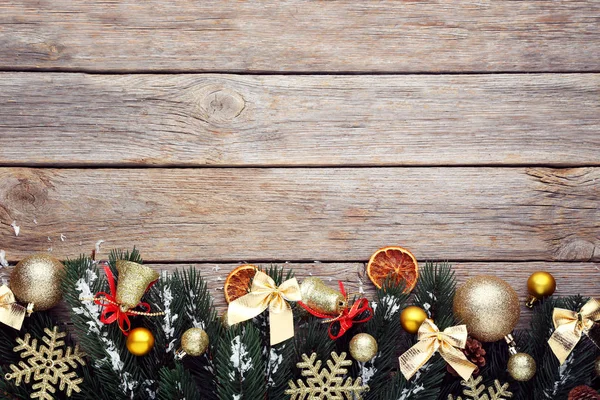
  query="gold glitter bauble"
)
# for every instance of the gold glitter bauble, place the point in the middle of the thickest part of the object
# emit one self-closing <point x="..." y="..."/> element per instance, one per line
<point x="318" y="296"/>
<point x="597" y="366"/>
<point x="140" y="341"/>
<point x="363" y="347"/>
<point x="488" y="306"/>
<point x="539" y="285"/>
<point x="37" y="279"/>
<point x="194" y="342"/>
<point x="134" y="280"/>
<point x="411" y="319"/>
<point x="225" y="320"/>
<point x="521" y="367"/>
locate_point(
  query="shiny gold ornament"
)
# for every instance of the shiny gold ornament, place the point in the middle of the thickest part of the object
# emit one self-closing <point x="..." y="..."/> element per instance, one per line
<point x="363" y="347"/>
<point x="411" y="319"/>
<point x="134" y="280"/>
<point x="597" y="366"/>
<point x="327" y="382"/>
<point x="37" y="279"/>
<point x="194" y="342"/>
<point x="225" y="320"/>
<point x="320" y="297"/>
<point x="140" y="341"/>
<point x="539" y="285"/>
<point x="488" y="306"/>
<point x="521" y="367"/>
<point x="49" y="364"/>
<point x="447" y="343"/>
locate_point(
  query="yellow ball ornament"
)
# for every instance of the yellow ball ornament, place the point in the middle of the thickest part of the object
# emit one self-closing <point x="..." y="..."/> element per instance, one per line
<point x="521" y="367"/>
<point x="539" y="285"/>
<point x="489" y="307"/>
<point x="37" y="279"/>
<point x="194" y="342"/>
<point x="411" y="319"/>
<point x="363" y="347"/>
<point x="140" y="341"/>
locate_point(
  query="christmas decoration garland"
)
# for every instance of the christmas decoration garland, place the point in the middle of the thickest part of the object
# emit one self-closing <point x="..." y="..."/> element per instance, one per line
<point x="145" y="335"/>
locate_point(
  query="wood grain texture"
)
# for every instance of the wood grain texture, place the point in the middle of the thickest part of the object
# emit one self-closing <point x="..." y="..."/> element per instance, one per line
<point x="298" y="214"/>
<point x="229" y="120"/>
<point x="572" y="278"/>
<point x="294" y="35"/>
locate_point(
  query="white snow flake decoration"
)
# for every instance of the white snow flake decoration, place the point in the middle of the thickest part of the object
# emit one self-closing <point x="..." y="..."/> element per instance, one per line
<point x="240" y="358"/>
<point x="392" y="305"/>
<point x="3" y="262"/>
<point x="16" y="228"/>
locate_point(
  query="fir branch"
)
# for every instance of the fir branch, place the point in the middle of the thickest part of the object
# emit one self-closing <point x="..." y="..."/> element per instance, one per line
<point x="551" y="379"/>
<point x="177" y="384"/>
<point x="121" y="375"/>
<point x="240" y="367"/>
<point x="385" y="328"/>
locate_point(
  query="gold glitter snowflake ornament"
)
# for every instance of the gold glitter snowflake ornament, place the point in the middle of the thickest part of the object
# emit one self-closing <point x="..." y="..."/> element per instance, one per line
<point x="323" y="384"/>
<point x="49" y="365"/>
<point x="475" y="391"/>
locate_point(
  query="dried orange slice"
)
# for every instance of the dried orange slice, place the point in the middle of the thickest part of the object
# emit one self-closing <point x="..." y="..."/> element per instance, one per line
<point x="397" y="263"/>
<point x="238" y="282"/>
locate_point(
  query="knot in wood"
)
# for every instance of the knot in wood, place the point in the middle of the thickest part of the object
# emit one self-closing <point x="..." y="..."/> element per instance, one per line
<point x="221" y="105"/>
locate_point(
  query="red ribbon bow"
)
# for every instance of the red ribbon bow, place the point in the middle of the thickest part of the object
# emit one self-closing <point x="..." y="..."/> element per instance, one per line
<point x="111" y="310"/>
<point x="348" y="316"/>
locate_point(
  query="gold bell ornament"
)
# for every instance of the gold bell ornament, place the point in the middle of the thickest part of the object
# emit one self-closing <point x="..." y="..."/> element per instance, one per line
<point x="320" y="297"/>
<point x="539" y="285"/>
<point x="118" y="305"/>
<point x="332" y="306"/>
<point x="194" y="342"/>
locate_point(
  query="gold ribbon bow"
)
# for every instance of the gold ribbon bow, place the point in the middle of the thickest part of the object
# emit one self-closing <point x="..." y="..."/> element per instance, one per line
<point x="447" y="343"/>
<point x="265" y="294"/>
<point x="570" y="325"/>
<point x="11" y="313"/>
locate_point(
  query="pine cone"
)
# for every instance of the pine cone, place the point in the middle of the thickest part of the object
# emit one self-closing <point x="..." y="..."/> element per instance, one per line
<point x="475" y="353"/>
<point x="583" y="392"/>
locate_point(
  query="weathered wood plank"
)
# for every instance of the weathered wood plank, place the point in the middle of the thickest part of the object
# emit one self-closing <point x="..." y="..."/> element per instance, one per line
<point x="294" y="35"/>
<point x="76" y="119"/>
<point x="299" y="214"/>
<point x="572" y="278"/>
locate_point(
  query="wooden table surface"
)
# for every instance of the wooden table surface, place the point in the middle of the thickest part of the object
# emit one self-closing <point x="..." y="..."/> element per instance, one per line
<point x="305" y="132"/>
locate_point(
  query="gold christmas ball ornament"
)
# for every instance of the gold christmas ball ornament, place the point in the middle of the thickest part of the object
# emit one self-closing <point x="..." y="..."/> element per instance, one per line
<point x="539" y="285"/>
<point x="521" y="367"/>
<point x="37" y="279"/>
<point x="363" y="347"/>
<point x="140" y="341"/>
<point x="488" y="306"/>
<point x="320" y="297"/>
<point x="134" y="280"/>
<point x="225" y="320"/>
<point x="411" y="319"/>
<point x="194" y="342"/>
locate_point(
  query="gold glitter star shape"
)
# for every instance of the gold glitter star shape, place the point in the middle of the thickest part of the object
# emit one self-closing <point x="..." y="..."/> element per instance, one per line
<point x="49" y="365"/>
<point x="326" y="383"/>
